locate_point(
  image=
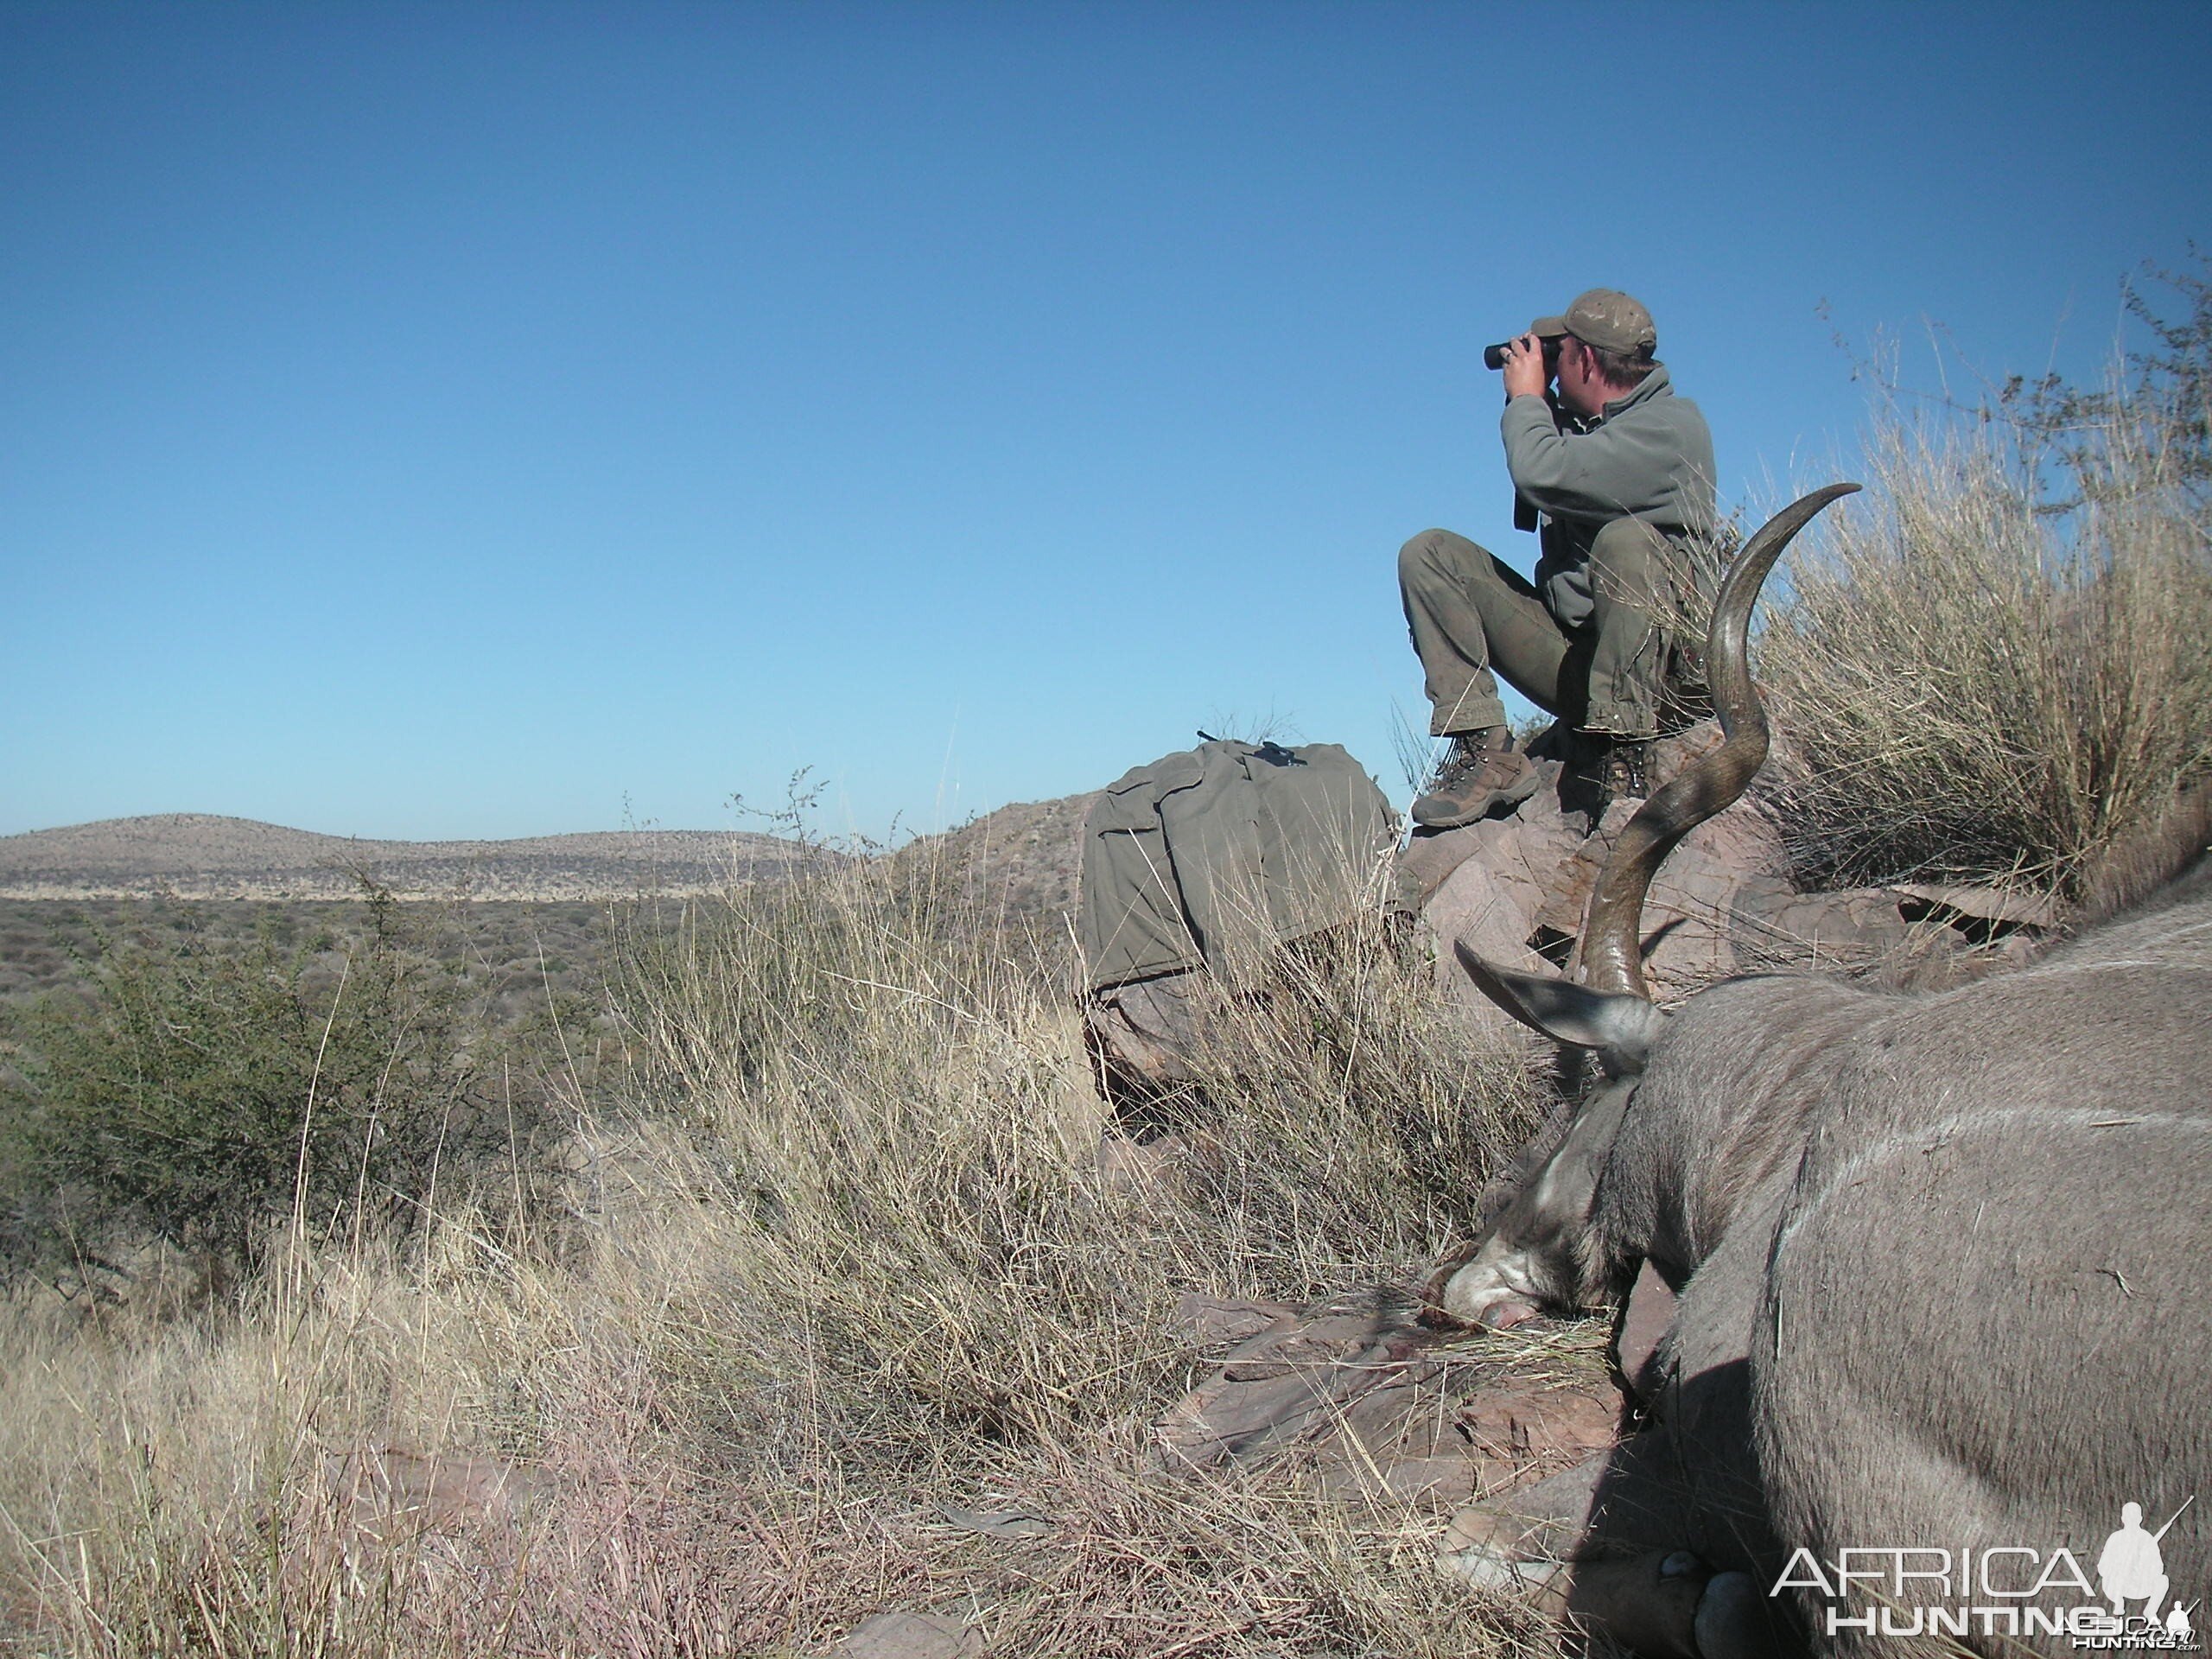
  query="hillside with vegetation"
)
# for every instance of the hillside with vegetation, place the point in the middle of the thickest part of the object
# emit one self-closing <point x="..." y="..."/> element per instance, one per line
<point x="200" y="855"/>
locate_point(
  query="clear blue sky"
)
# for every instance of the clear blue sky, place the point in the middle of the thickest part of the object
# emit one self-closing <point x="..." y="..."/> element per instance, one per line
<point x="494" y="420"/>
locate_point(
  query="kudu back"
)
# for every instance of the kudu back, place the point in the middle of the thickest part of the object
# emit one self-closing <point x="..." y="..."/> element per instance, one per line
<point x="1943" y="1259"/>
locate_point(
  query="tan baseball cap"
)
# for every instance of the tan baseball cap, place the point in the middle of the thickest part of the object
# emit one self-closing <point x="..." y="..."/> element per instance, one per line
<point x="1605" y="318"/>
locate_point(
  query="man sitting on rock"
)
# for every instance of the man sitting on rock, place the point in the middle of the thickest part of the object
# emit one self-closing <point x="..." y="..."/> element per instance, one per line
<point x="1621" y="471"/>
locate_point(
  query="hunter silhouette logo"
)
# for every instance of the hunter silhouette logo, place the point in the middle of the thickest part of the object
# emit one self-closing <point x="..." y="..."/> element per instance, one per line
<point x="2129" y="1567"/>
<point x="2008" y="1590"/>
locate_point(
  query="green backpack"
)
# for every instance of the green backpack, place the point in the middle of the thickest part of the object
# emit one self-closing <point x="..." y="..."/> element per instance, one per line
<point x="1215" y="855"/>
<point x="1214" y="858"/>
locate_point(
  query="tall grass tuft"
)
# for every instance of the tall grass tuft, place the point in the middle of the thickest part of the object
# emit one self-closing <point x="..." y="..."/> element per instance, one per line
<point x="2001" y="657"/>
<point x="888" y="1120"/>
<point x="1349" y="1105"/>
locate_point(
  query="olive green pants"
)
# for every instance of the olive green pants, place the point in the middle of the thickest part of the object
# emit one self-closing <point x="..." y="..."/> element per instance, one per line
<point x="1471" y="613"/>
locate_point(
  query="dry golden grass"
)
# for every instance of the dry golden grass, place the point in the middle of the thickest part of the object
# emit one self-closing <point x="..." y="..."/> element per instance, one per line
<point x="848" y="1256"/>
<point x="1972" y="684"/>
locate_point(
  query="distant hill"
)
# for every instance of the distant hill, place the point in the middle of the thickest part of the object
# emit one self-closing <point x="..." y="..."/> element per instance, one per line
<point x="200" y="856"/>
<point x="1020" y="861"/>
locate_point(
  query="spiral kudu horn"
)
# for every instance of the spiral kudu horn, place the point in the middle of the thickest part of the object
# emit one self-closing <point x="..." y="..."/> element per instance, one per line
<point x="1613" y="949"/>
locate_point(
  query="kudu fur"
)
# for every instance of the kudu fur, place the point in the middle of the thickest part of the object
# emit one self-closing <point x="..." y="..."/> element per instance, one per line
<point x="1942" y="1260"/>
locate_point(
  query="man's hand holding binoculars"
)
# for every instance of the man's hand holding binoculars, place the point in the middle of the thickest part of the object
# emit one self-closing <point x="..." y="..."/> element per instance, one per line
<point x="1527" y="373"/>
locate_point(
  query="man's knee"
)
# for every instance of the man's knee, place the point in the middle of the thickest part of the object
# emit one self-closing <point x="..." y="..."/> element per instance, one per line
<point x="1628" y="565"/>
<point x="1441" y="562"/>
<point x="1625" y="550"/>
<point x="1425" y="555"/>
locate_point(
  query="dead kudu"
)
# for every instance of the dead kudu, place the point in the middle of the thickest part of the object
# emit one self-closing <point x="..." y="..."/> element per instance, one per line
<point x="1942" y="1264"/>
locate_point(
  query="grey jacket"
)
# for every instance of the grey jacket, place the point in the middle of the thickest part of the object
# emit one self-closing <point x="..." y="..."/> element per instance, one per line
<point x="1647" y="456"/>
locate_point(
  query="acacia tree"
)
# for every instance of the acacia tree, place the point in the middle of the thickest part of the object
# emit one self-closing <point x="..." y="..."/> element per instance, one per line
<point x="2149" y="426"/>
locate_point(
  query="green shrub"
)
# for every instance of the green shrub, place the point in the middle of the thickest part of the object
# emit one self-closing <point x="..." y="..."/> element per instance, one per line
<point x="202" y="1093"/>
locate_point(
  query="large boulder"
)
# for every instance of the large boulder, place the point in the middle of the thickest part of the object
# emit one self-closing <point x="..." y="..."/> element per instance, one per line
<point x="1515" y="889"/>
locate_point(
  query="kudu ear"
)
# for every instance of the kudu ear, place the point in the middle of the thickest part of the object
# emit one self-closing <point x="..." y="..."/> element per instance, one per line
<point x="1622" y="1027"/>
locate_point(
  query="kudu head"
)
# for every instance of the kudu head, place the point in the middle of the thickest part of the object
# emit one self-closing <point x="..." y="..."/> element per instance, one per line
<point x="1540" y="1252"/>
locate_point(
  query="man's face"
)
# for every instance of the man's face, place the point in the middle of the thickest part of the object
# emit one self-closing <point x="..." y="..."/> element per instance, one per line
<point x="1579" y="388"/>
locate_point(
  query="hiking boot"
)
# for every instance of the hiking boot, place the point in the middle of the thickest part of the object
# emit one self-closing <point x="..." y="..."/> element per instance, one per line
<point x="1480" y="777"/>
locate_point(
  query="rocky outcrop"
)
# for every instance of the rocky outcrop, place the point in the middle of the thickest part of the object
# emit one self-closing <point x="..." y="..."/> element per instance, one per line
<point x="1514" y="890"/>
<point x="1377" y="1404"/>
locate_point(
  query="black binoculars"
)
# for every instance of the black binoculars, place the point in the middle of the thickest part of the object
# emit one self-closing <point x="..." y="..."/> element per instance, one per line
<point x="1494" y="356"/>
